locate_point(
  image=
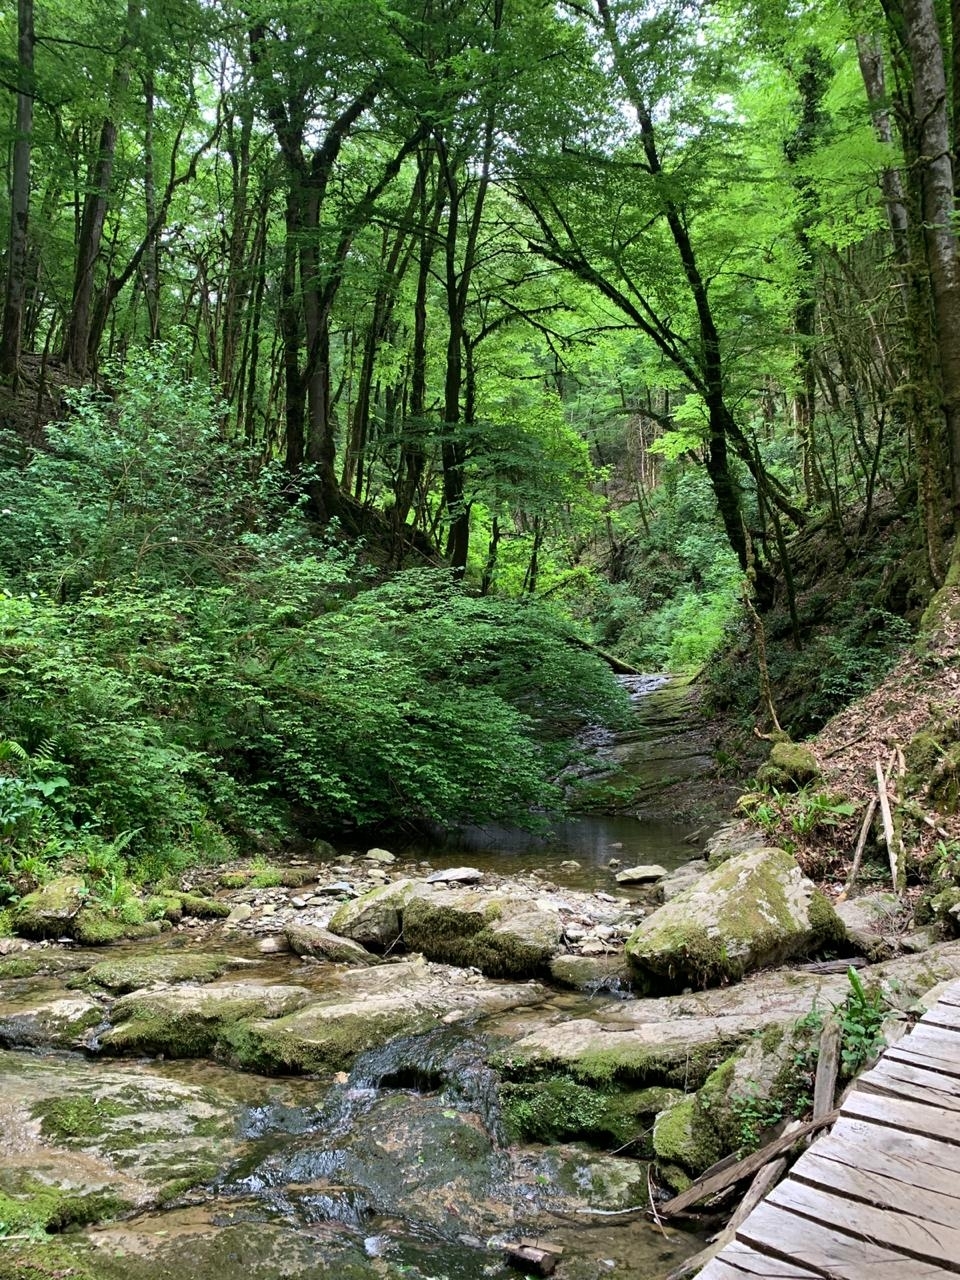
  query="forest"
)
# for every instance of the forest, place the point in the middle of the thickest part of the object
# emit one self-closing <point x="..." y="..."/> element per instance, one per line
<point x="366" y="368"/>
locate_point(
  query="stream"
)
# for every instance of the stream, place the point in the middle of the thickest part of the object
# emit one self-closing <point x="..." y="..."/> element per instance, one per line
<point x="400" y="1166"/>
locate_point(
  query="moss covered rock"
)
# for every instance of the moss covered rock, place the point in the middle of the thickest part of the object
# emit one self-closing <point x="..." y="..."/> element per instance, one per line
<point x="131" y="973"/>
<point x="790" y="764"/>
<point x="375" y="918"/>
<point x="679" y="1138"/>
<point x="49" y="912"/>
<point x="188" y="1021"/>
<point x="753" y="910"/>
<point x="308" y="940"/>
<point x="592" y="973"/>
<point x="48" y="1022"/>
<point x="487" y="931"/>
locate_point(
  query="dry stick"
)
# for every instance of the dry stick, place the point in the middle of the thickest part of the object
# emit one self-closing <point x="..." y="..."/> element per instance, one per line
<point x="765" y="1181"/>
<point x="704" y="1187"/>
<point x="861" y="844"/>
<point x="888" y="826"/>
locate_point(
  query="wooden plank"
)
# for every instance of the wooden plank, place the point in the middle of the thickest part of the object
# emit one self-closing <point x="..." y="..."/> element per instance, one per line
<point x="739" y="1262"/>
<point x="777" y="1232"/>
<point x="941" y="1015"/>
<point x="842" y="1179"/>
<point x="897" y="1144"/>
<point x="828" y="1064"/>
<point x="914" y="1052"/>
<point x="756" y="1264"/>
<point x="890" y="1085"/>
<point x="872" y="1155"/>
<point x="950" y="996"/>
<point x="914" y="1117"/>
<point x="891" y="1068"/>
<point x="925" y="1241"/>
<point x="933" y="1038"/>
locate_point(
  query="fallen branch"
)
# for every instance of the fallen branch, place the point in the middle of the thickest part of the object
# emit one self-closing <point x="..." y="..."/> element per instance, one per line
<point x="711" y="1186"/>
<point x="861" y="844"/>
<point x="888" y="832"/>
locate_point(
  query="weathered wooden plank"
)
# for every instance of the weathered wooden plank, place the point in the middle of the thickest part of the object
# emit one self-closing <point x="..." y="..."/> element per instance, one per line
<point x="739" y="1262"/>
<point x="774" y="1231"/>
<point x="889" y="1084"/>
<point x="950" y="996"/>
<point x="925" y="1241"/>
<point x="756" y="1264"/>
<point x="891" y="1068"/>
<point x="924" y="1055"/>
<point x="828" y="1065"/>
<point x="917" y="1162"/>
<point x="942" y="1015"/>
<point x="922" y="1149"/>
<point x="942" y="1042"/>
<point x="842" y="1179"/>
<point x="914" y="1117"/>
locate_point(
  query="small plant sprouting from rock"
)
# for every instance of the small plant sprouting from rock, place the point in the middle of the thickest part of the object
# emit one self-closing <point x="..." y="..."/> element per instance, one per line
<point x="861" y="1019"/>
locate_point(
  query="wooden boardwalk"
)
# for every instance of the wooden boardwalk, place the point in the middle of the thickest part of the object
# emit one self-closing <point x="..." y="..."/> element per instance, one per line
<point x="878" y="1198"/>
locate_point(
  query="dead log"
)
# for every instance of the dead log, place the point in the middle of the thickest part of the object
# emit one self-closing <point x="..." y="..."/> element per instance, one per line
<point x="533" y="1257"/>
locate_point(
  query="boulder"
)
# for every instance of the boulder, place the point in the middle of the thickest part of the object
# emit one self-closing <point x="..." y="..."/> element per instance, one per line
<point x="681" y="878"/>
<point x="870" y="922"/>
<point x="56" y="1021"/>
<point x="49" y="911"/>
<point x="755" y="909"/>
<point x="383" y="856"/>
<point x="641" y="875"/>
<point x="131" y="973"/>
<point x="374" y="919"/>
<point x="307" y="940"/>
<point x="503" y="938"/>
<point x="790" y="764"/>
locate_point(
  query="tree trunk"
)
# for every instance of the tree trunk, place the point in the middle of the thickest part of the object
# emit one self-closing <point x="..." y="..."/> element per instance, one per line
<point x="16" y="291"/>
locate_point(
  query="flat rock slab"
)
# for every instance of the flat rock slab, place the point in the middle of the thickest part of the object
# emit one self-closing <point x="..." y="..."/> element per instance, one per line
<point x="456" y="875"/>
<point x="55" y="1020"/>
<point x="371" y="1007"/>
<point x="641" y="875"/>
<point x="321" y="944"/>
<point x="131" y="973"/>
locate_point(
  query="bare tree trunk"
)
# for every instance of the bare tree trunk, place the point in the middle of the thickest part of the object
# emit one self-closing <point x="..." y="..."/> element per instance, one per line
<point x="16" y="291"/>
<point x="151" y="263"/>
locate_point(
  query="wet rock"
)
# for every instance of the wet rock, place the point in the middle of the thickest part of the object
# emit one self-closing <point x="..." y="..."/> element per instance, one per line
<point x="641" y="875"/>
<point x="755" y="909"/>
<point x="456" y="875"/>
<point x="273" y="944"/>
<point x="370" y="1007"/>
<point x="188" y="1021"/>
<point x="130" y="973"/>
<point x="49" y="912"/>
<point x="502" y="937"/>
<point x="374" y="919"/>
<point x="593" y="973"/>
<point x="307" y="940"/>
<point x="57" y="1021"/>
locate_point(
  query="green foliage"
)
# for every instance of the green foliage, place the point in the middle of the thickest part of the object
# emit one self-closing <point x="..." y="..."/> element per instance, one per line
<point x="861" y="1018"/>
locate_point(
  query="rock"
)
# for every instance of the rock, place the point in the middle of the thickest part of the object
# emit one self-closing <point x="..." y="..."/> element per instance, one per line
<point x="919" y="940"/>
<point x="869" y="922"/>
<point x="307" y="940"/>
<point x="790" y="764"/>
<point x="51" y="1022"/>
<point x="380" y="855"/>
<point x="187" y="1021"/>
<point x="456" y="875"/>
<point x="729" y="839"/>
<point x="130" y="973"/>
<point x="641" y="875"/>
<point x="753" y="910"/>
<point x="374" y="919"/>
<point x="681" y="878"/>
<point x="242" y="911"/>
<point x="499" y="936"/>
<point x="338" y="888"/>
<point x="570" y="864"/>
<point x="371" y="1007"/>
<point x="273" y="944"/>
<point x="49" y="912"/>
<point x="323" y="849"/>
<point x="593" y="973"/>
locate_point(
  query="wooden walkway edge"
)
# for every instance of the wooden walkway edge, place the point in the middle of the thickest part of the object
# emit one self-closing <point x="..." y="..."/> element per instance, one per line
<point x="878" y="1197"/>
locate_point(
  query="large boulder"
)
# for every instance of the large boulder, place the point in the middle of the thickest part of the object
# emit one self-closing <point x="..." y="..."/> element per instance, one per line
<point x="755" y="909"/>
<point x="503" y="938"/>
<point x="49" y="911"/>
<point x="375" y="918"/>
